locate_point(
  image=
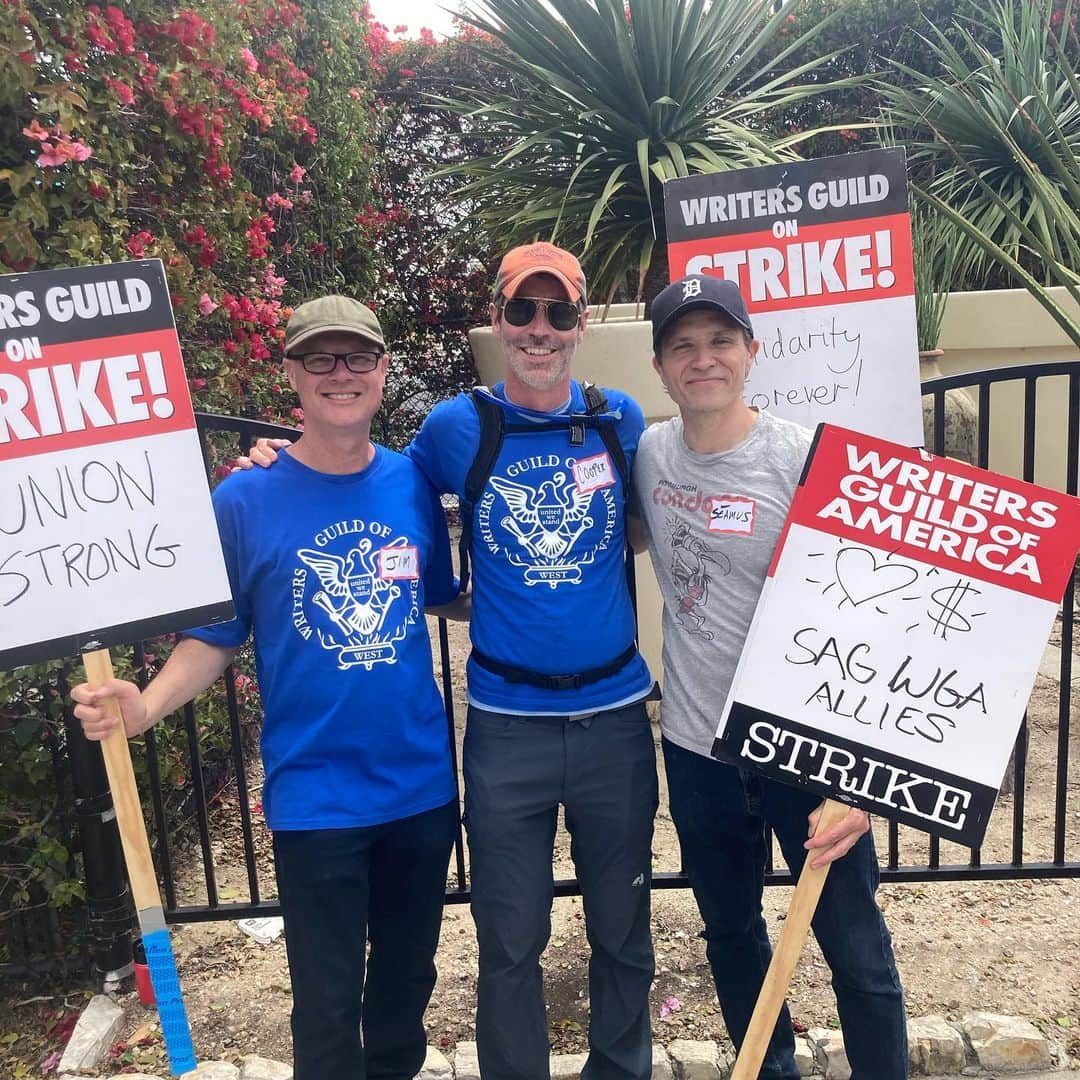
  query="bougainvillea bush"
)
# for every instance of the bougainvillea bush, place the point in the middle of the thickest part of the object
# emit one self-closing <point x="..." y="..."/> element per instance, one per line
<point x="230" y="141"/>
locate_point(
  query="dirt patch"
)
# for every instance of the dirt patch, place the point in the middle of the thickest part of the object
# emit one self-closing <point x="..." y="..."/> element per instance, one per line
<point x="1004" y="946"/>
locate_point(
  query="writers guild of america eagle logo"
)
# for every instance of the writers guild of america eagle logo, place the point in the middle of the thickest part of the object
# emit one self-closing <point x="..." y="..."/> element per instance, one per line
<point x="545" y="522"/>
<point x="357" y="602"/>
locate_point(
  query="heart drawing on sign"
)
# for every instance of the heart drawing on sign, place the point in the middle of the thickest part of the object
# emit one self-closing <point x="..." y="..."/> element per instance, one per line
<point x="863" y="578"/>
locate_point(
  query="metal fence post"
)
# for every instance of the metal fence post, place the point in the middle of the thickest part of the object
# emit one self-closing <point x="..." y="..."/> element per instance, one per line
<point x="108" y="899"/>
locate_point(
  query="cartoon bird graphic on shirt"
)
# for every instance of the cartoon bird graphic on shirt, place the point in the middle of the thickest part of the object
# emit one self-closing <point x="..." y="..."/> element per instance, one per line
<point x="548" y="520"/>
<point x="352" y="594"/>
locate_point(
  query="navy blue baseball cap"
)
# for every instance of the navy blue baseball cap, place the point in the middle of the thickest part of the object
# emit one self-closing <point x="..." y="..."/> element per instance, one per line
<point x="692" y="293"/>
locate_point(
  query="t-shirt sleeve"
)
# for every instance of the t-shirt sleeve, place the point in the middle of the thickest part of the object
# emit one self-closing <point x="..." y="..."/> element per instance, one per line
<point x="429" y="447"/>
<point x="635" y="504"/>
<point x="441" y="584"/>
<point x="631" y="428"/>
<point x="235" y="632"/>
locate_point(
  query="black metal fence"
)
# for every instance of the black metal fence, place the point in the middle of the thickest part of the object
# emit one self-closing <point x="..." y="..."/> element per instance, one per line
<point x="1023" y="842"/>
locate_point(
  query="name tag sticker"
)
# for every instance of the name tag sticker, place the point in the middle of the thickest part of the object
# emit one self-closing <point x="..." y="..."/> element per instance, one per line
<point x="731" y="514"/>
<point x="399" y="563"/>
<point x="593" y="473"/>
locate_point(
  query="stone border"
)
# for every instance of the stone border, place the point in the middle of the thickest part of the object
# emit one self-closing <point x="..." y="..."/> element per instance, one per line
<point x="978" y="1045"/>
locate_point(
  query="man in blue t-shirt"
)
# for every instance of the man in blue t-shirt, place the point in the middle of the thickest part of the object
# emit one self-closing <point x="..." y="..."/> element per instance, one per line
<point x="332" y="558"/>
<point x="556" y="685"/>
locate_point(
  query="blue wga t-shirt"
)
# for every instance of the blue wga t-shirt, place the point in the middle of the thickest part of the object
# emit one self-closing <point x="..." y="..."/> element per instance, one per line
<point x="332" y="573"/>
<point x="549" y="590"/>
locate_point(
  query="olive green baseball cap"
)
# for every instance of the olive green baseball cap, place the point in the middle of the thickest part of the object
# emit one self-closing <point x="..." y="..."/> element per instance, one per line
<point x="330" y="314"/>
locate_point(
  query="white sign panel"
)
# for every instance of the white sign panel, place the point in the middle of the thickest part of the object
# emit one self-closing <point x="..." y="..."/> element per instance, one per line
<point x="107" y="533"/>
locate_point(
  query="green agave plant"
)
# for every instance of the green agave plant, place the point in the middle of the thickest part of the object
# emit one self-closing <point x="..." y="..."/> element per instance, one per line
<point x="998" y="133"/>
<point x="611" y="99"/>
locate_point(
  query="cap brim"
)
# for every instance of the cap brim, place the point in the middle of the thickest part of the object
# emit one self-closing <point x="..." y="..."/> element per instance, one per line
<point x="702" y="304"/>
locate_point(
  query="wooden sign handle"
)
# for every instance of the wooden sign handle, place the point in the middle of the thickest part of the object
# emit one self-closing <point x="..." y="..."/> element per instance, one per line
<point x="125" y="795"/>
<point x="140" y="868"/>
<point x="796" y="927"/>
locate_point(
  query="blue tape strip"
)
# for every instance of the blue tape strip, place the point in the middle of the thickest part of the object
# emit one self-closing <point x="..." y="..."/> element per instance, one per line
<point x="170" y="1001"/>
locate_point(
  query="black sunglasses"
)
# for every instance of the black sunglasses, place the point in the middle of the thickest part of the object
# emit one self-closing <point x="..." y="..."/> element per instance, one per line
<point x="521" y="310"/>
<point x="322" y="363"/>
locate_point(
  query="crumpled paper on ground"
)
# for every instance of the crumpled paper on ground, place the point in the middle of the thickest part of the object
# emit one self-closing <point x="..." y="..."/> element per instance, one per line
<point x="265" y="930"/>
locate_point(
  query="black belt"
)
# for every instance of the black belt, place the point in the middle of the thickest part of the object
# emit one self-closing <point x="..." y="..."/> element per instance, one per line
<point x="555" y="682"/>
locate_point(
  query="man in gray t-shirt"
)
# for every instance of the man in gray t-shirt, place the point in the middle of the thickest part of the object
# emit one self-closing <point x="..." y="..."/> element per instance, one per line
<point x="711" y="491"/>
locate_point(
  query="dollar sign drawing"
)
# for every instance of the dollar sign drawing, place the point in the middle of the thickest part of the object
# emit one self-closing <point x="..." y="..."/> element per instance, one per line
<point x="949" y="598"/>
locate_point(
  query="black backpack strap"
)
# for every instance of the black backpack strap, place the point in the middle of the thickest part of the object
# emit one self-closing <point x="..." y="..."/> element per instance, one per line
<point x="595" y="404"/>
<point x="492" y="429"/>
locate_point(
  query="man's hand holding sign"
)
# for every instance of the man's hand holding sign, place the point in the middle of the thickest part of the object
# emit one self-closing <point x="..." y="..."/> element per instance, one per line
<point x="108" y="533"/>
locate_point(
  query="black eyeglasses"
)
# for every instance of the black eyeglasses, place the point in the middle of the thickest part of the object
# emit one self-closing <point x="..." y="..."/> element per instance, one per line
<point x="521" y="310"/>
<point x="322" y="363"/>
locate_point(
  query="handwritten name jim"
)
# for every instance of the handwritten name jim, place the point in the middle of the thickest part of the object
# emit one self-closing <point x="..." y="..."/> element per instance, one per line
<point x="956" y="519"/>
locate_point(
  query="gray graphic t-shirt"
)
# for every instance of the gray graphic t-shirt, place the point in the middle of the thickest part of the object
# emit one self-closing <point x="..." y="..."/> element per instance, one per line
<point x="713" y="521"/>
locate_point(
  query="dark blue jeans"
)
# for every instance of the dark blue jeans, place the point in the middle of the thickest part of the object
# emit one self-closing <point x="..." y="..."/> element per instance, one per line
<point x="720" y="813"/>
<point x="518" y="769"/>
<point x="339" y="890"/>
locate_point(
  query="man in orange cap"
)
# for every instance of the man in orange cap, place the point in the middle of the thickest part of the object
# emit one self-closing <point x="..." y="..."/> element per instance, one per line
<point x="556" y="684"/>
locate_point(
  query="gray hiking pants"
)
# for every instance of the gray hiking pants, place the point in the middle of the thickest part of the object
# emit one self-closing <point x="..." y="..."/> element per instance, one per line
<point x="517" y="771"/>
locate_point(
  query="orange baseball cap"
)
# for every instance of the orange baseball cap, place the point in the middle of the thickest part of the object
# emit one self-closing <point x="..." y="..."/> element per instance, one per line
<point x="522" y="262"/>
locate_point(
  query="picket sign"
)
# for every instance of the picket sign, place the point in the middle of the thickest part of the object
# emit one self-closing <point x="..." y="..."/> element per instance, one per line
<point x="786" y="955"/>
<point x="907" y="606"/>
<point x="140" y="867"/>
<point x="821" y="251"/>
<point x="106" y="509"/>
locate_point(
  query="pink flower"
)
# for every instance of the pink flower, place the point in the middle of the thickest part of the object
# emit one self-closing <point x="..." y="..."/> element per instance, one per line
<point x="249" y="60"/>
<point x="125" y="95"/>
<point x="296" y="173"/>
<point x="75" y="150"/>
<point x="137" y="245"/>
<point x="272" y="283"/>
<point x="669" y="1005"/>
<point x="206" y="305"/>
<point x="50" y="158"/>
<point x="36" y="132"/>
